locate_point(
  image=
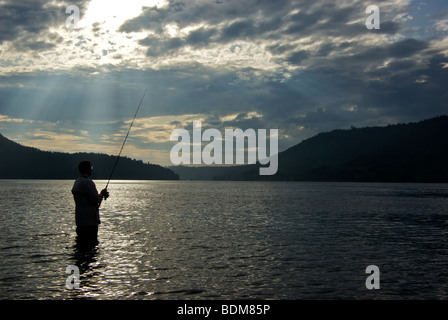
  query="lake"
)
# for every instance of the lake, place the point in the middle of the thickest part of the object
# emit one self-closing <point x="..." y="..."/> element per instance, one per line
<point x="227" y="240"/>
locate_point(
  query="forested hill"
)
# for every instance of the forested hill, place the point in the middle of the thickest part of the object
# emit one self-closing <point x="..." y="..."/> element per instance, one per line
<point x="20" y="162"/>
<point x="413" y="152"/>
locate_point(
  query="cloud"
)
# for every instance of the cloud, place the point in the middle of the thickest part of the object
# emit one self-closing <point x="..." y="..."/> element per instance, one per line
<point x="299" y="66"/>
<point x="204" y="23"/>
<point x="28" y="19"/>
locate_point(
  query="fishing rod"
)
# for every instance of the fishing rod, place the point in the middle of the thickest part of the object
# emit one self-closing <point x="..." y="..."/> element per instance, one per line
<point x="126" y="137"/>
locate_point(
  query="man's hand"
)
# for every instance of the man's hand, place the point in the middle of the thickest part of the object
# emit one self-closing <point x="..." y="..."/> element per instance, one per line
<point x="104" y="193"/>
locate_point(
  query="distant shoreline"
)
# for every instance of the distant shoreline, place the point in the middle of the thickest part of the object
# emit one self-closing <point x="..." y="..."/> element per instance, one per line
<point x="121" y="181"/>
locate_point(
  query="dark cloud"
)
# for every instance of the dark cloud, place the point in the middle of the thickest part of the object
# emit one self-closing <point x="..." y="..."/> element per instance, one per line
<point x="403" y="88"/>
<point x="238" y="30"/>
<point x="29" y="16"/>
<point x="256" y="21"/>
<point x="298" y="57"/>
<point x="29" y="42"/>
<point x="24" y="21"/>
<point x="209" y="12"/>
<point x="371" y="57"/>
<point x="225" y="21"/>
<point x="201" y="37"/>
<point x="157" y="46"/>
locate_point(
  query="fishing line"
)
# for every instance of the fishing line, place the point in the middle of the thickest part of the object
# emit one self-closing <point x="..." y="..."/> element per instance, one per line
<point x="127" y="134"/>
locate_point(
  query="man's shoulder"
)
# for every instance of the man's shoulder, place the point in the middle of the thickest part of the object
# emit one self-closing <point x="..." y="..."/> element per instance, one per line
<point x="82" y="181"/>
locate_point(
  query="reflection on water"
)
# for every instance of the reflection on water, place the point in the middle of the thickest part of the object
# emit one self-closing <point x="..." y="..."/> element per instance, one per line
<point x="85" y="258"/>
<point x="227" y="240"/>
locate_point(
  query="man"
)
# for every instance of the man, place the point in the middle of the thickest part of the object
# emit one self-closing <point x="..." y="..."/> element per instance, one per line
<point x="87" y="201"/>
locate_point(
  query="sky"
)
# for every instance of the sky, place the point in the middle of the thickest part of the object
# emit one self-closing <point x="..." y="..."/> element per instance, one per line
<point x="302" y="67"/>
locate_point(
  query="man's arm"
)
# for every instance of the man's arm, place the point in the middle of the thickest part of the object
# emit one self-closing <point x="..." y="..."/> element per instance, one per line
<point x="92" y="194"/>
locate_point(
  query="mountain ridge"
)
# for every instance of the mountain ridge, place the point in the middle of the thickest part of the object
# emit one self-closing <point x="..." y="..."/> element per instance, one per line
<point x="23" y="162"/>
<point x="412" y="152"/>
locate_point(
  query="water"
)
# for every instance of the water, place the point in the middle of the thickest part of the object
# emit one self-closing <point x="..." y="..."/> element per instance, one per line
<point x="227" y="240"/>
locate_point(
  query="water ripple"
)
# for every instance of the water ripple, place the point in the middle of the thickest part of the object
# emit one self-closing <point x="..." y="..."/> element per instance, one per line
<point x="227" y="240"/>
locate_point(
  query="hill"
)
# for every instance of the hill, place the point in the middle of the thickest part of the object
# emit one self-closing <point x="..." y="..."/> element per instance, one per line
<point x="20" y="162"/>
<point x="413" y="152"/>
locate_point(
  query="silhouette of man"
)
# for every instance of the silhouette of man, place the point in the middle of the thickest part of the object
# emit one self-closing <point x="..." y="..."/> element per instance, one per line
<point x="87" y="203"/>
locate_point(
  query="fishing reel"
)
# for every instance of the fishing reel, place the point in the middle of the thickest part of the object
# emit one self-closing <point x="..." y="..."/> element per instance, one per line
<point x="105" y="194"/>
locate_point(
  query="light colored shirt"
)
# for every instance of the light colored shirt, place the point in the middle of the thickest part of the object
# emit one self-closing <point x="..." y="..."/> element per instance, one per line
<point x="87" y="202"/>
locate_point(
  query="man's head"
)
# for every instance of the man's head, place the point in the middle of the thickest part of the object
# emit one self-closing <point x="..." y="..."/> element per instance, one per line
<point x="85" y="167"/>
